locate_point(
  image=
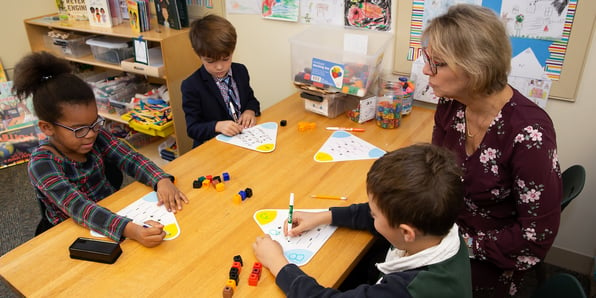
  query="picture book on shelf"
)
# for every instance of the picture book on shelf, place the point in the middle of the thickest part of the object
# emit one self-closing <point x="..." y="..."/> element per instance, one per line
<point x="75" y="9"/>
<point x="99" y="13"/>
<point x="115" y="12"/>
<point x="133" y="15"/>
<point x="3" y="77"/>
<point x="19" y="134"/>
<point x="172" y="13"/>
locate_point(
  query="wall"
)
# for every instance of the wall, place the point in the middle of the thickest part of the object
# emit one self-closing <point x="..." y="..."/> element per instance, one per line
<point x="264" y="48"/>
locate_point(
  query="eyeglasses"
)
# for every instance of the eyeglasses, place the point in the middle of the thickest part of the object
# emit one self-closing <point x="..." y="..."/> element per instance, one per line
<point x="81" y="132"/>
<point x="431" y="63"/>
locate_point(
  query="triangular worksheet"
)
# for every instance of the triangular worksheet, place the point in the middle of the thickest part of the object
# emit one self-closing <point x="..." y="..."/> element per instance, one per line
<point x="260" y="137"/>
<point x="145" y="209"/>
<point x="298" y="250"/>
<point x="342" y="146"/>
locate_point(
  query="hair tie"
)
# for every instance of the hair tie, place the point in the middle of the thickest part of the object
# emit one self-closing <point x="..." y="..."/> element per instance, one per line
<point x="45" y="78"/>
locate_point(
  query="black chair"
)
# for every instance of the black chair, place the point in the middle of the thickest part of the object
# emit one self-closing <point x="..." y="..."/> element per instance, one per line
<point x="115" y="178"/>
<point x="574" y="179"/>
<point x="560" y="285"/>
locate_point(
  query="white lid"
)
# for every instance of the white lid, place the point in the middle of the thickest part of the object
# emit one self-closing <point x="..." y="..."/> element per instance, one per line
<point x="108" y="42"/>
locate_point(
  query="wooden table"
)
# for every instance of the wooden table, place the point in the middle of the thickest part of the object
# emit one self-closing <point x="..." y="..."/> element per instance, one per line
<point x="213" y="229"/>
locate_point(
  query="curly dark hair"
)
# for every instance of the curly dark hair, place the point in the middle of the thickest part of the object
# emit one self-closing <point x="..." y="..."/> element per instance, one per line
<point x="51" y="83"/>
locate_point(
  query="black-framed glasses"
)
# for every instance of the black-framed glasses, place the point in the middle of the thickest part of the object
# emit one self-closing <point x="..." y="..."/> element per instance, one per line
<point x="81" y="132"/>
<point x="431" y="63"/>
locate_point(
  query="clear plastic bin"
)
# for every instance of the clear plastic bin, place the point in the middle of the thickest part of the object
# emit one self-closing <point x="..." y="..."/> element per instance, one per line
<point x="73" y="46"/>
<point x="111" y="49"/>
<point x="321" y="48"/>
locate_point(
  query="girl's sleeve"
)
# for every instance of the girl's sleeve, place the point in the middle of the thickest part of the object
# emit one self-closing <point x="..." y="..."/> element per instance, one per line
<point x="132" y="162"/>
<point x="52" y="183"/>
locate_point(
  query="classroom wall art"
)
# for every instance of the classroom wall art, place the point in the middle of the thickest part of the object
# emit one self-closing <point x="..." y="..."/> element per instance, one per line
<point x="368" y="14"/>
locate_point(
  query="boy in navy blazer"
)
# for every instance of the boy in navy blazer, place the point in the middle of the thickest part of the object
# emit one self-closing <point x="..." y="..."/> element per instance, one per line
<point x="217" y="98"/>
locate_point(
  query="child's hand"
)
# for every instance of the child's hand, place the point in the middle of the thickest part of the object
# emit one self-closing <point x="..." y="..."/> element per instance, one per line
<point x="149" y="237"/>
<point x="228" y="128"/>
<point x="169" y="195"/>
<point x="270" y="253"/>
<point x="305" y="221"/>
<point x="247" y="119"/>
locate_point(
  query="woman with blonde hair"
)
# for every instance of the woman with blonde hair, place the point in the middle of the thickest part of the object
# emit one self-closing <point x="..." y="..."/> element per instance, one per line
<point x="505" y="143"/>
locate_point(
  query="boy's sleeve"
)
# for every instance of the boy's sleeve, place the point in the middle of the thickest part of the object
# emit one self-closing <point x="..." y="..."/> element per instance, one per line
<point x="355" y="216"/>
<point x="197" y="127"/>
<point x="295" y="283"/>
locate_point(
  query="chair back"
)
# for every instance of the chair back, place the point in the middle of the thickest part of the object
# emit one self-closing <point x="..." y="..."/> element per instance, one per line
<point x="573" y="183"/>
<point x="560" y="285"/>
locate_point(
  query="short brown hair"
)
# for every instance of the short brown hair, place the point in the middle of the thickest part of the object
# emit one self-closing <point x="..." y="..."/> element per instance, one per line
<point x="474" y="39"/>
<point x="213" y="36"/>
<point x="419" y="185"/>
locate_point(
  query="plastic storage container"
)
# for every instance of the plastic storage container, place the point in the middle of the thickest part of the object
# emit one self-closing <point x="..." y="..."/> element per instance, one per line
<point x="389" y="105"/>
<point x="73" y="46"/>
<point x="111" y="49"/>
<point x="319" y="58"/>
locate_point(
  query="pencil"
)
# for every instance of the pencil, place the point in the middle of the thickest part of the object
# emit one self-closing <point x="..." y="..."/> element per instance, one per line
<point x="328" y="197"/>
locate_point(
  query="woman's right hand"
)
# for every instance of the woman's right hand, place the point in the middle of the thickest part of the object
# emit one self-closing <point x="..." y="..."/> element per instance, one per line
<point x="305" y="221"/>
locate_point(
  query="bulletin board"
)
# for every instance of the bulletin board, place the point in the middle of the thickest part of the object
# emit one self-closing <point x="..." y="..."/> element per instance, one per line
<point x="564" y="88"/>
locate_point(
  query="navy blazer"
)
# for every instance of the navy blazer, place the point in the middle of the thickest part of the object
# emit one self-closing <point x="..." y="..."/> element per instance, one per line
<point x="204" y="105"/>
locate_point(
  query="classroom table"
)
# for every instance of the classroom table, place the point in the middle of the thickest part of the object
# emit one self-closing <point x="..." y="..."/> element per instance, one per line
<point x="213" y="228"/>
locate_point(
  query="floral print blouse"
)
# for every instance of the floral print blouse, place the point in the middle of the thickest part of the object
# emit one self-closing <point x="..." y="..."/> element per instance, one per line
<point x="512" y="181"/>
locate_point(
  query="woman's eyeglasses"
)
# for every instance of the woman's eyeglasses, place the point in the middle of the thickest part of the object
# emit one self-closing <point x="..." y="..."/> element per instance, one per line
<point x="81" y="132"/>
<point x="431" y="63"/>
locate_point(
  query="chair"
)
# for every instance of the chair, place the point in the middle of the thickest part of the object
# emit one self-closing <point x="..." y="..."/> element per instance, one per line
<point x="573" y="179"/>
<point x="573" y="184"/>
<point x="560" y="285"/>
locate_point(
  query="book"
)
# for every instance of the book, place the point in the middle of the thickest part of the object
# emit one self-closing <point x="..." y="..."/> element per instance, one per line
<point x="75" y="10"/>
<point x="19" y="133"/>
<point x="99" y="13"/>
<point x="3" y="77"/>
<point x="115" y="12"/>
<point x="172" y="13"/>
<point x="133" y="15"/>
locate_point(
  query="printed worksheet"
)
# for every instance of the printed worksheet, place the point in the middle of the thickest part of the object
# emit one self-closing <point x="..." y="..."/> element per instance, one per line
<point x="298" y="250"/>
<point x="145" y="209"/>
<point x="342" y="146"/>
<point x="260" y="137"/>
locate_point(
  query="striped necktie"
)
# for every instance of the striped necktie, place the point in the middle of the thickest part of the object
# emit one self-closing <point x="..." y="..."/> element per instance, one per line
<point x="232" y="101"/>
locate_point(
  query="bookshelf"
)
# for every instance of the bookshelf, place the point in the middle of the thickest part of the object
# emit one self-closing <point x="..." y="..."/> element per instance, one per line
<point x="178" y="57"/>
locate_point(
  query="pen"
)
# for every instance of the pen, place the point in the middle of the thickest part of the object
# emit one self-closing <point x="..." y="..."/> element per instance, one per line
<point x="233" y="110"/>
<point x="290" y="213"/>
<point x="345" y="128"/>
<point x="328" y="197"/>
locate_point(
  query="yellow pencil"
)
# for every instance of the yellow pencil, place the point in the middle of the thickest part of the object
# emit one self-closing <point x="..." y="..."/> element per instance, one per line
<point x="328" y="197"/>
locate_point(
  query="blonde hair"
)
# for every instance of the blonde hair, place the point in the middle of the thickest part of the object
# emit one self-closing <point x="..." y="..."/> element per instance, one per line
<point x="474" y="39"/>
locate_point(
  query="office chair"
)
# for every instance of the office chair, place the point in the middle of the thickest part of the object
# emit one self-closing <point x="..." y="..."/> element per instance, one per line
<point x="560" y="285"/>
<point x="115" y="178"/>
<point x="573" y="179"/>
<point x="573" y="184"/>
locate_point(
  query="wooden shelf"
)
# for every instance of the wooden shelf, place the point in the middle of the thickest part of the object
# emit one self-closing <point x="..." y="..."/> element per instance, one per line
<point x="179" y="59"/>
